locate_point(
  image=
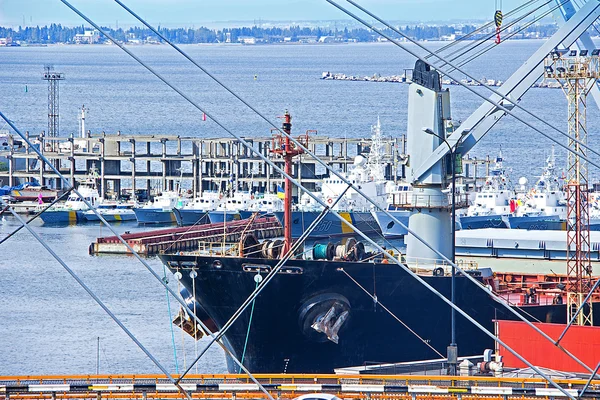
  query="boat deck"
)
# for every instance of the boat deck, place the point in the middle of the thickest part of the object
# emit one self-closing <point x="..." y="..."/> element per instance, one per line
<point x="186" y="238"/>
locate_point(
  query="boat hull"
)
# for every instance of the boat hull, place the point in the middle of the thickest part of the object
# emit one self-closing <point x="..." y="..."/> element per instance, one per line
<point x="154" y="216"/>
<point x="62" y="216"/>
<point x="330" y="225"/>
<point x="34" y="195"/>
<point x="111" y="217"/>
<point x="389" y="228"/>
<point x="191" y="217"/>
<point x="218" y="217"/>
<point x="483" y="221"/>
<point x="538" y="223"/>
<point x="279" y="332"/>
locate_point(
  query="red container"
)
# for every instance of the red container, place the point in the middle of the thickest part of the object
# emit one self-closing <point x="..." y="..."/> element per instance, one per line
<point x="582" y="341"/>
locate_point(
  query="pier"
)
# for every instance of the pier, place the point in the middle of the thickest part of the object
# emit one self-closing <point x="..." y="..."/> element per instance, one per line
<point x="186" y="238"/>
<point x="289" y="386"/>
<point x="155" y="162"/>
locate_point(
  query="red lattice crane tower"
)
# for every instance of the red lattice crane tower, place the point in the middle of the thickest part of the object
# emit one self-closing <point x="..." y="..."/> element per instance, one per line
<point x="577" y="73"/>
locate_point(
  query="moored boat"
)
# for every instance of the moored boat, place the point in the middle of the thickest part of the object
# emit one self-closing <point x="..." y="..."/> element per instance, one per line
<point x="33" y="192"/>
<point x="229" y="208"/>
<point x="544" y="207"/>
<point x="160" y="210"/>
<point x="263" y="204"/>
<point x="196" y="211"/>
<point x="493" y="203"/>
<point x="73" y="210"/>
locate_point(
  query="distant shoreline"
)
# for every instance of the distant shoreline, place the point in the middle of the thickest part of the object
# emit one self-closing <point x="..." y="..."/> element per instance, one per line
<point x="86" y="45"/>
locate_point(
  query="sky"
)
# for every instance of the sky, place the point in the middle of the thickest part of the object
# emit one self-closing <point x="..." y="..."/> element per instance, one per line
<point x="194" y="13"/>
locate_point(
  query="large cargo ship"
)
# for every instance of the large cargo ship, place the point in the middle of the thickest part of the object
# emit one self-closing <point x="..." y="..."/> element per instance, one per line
<point x="344" y="306"/>
<point x="314" y="316"/>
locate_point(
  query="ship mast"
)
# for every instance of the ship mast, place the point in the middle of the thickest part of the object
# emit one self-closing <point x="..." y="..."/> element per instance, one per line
<point x="284" y="147"/>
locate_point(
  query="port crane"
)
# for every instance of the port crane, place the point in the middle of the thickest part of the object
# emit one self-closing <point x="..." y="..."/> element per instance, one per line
<point x="427" y="154"/>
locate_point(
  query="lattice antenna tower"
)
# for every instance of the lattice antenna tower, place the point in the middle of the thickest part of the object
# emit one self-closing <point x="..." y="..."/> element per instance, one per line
<point x="53" y="78"/>
<point x="577" y="72"/>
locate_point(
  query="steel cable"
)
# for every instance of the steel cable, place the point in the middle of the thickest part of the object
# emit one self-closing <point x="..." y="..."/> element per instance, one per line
<point x="481" y="28"/>
<point x="511" y="34"/>
<point x="460" y="53"/>
<point x="376" y="301"/>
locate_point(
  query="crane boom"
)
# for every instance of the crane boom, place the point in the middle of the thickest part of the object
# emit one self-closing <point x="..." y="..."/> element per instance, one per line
<point x="478" y="124"/>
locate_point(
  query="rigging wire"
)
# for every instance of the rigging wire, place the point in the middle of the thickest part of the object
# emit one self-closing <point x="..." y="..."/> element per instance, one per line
<point x="501" y="107"/>
<point x="257" y="279"/>
<point x="67" y="184"/>
<point x="273" y="165"/>
<point x="186" y="311"/>
<point x="292" y="180"/>
<point x="511" y="34"/>
<point x="498" y="105"/>
<point x="193" y="275"/>
<point x="458" y="54"/>
<point x="99" y="302"/>
<point x="170" y="321"/>
<point x="295" y="246"/>
<point x="481" y="28"/>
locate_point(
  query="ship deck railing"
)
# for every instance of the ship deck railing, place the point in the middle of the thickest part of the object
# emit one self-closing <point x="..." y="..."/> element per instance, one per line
<point x="421" y="265"/>
<point x="409" y="200"/>
<point x="288" y="386"/>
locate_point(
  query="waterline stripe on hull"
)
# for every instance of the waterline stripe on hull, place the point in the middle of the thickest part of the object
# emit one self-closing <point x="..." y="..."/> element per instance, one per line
<point x="345" y="228"/>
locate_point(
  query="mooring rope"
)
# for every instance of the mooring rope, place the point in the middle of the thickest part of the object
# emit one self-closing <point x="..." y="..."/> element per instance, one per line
<point x="171" y="320"/>
<point x="257" y="279"/>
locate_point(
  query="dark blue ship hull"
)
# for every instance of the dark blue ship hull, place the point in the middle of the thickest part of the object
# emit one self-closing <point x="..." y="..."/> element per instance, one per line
<point x="281" y="337"/>
<point x="483" y="221"/>
<point x="154" y="216"/>
<point x="331" y="225"/>
<point x="217" y="217"/>
<point x="186" y="217"/>
<point x="538" y="223"/>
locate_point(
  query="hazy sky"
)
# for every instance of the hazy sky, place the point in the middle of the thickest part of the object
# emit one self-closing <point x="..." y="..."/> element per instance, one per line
<point x="203" y="12"/>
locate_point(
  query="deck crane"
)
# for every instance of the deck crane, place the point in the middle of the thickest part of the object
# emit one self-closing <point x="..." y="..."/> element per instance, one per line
<point x="429" y="108"/>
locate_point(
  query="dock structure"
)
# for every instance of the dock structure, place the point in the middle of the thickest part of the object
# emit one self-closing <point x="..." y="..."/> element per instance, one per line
<point x="186" y="238"/>
<point x="289" y="386"/>
<point x="159" y="162"/>
<point x="199" y="163"/>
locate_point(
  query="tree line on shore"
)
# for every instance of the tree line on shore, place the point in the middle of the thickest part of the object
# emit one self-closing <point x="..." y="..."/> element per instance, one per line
<point x="56" y="33"/>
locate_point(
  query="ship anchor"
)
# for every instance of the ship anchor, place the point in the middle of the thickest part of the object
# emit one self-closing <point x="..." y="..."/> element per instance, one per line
<point x="331" y="322"/>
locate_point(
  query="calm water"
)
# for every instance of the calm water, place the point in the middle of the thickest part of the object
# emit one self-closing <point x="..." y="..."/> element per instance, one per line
<point x="50" y="325"/>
